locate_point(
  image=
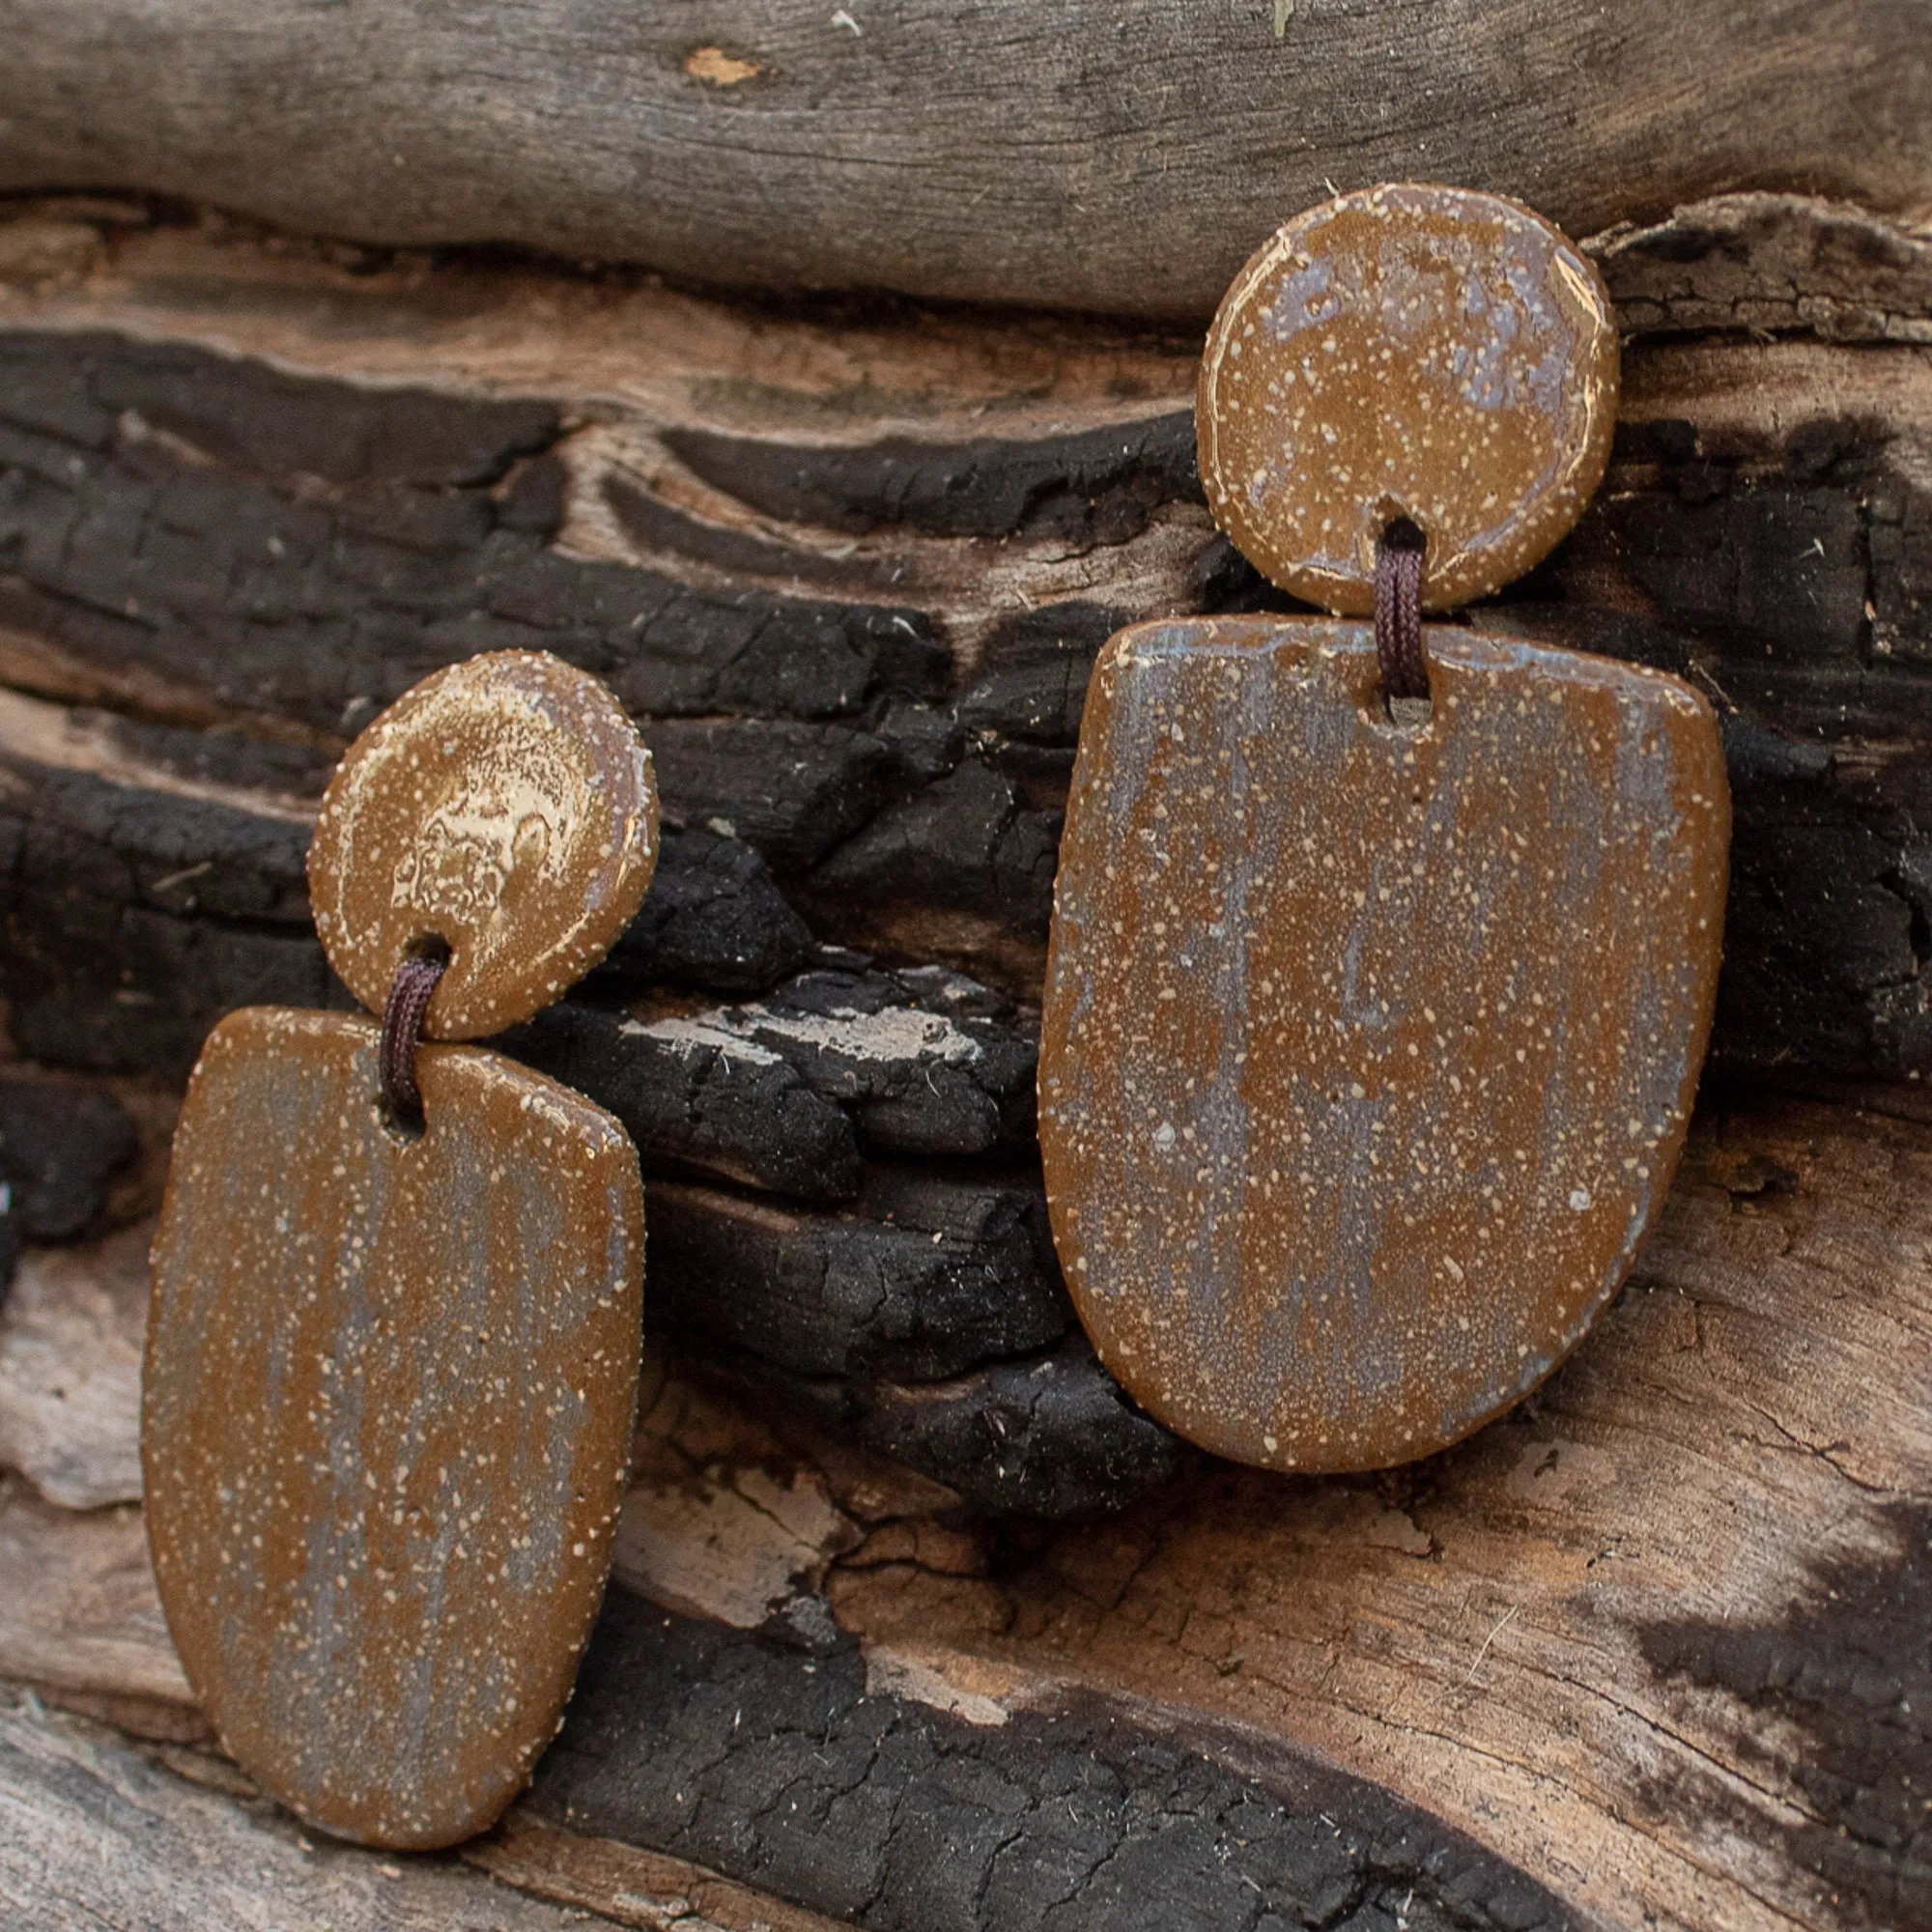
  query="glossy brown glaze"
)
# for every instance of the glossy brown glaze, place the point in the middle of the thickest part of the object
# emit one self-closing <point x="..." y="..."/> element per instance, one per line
<point x="1406" y="351"/>
<point x="504" y="805"/>
<point x="1367" y="1052"/>
<point x="386" y="1414"/>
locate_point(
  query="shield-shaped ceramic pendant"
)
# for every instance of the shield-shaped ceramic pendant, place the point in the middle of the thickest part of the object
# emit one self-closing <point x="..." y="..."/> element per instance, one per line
<point x="1370" y="1033"/>
<point x="388" y="1416"/>
<point x="1368" y="1051"/>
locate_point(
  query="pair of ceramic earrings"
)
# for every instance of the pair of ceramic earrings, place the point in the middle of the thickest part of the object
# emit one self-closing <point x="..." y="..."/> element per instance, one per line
<point x="1370" y="1036"/>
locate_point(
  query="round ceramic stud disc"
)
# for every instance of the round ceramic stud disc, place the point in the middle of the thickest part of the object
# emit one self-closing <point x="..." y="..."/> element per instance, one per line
<point x="1413" y="352"/>
<point x="504" y="807"/>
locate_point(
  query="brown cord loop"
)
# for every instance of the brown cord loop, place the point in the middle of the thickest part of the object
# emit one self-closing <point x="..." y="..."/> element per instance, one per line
<point x="402" y="1033"/>
<point x="1399" y="612"/>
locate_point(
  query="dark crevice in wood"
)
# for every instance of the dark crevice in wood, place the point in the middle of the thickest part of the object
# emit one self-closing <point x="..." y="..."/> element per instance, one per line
<point x="60" y="1147"/>
<point x="1095" y="487"/>
<point x="1050" y="1436"/>
<point x="929" y="1275"/>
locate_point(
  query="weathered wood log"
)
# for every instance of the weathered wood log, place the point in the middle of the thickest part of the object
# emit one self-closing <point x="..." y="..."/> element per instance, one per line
<point x="1070" y="155"/>
<point x="101" y="1833"/>
<point x="1658" y="1642"/>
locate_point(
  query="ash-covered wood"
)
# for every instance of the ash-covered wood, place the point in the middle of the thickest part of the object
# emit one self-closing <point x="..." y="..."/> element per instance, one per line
<point x="695" y="1099"/>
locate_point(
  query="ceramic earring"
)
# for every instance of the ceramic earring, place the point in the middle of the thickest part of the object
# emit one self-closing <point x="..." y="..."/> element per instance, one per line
<point x="1371" y="1030"/>
<point x="393" y="1353"/>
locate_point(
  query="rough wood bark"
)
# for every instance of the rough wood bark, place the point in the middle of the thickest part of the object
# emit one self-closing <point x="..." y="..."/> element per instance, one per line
<point x="1067" y="154"/>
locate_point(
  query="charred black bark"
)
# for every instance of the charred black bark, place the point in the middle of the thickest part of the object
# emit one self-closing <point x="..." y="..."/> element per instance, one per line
<point x="781" y="1768"/>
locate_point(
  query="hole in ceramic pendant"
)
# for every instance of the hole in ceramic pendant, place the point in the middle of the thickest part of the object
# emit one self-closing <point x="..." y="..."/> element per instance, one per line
<point x="1403" y="532"/>
<point x="397" y="1124"/>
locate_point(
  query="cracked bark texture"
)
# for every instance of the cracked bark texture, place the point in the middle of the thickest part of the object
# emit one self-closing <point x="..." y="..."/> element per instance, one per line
<point x="996" y="1651"/>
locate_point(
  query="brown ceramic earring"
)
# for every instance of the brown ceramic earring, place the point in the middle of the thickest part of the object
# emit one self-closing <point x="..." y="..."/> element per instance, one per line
<point x="1383" y="954"/>
<point x="392" y="1353"/>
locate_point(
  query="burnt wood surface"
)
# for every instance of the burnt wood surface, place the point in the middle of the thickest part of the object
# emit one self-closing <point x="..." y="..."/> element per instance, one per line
<point x="1650" y="1651"/>
<point x="1079" y="1813"/>
<point x="1067" y="153"/>
<point x="856" y="616"/>
<point x="194" y="540"/>
<point x="1652" y="1645"/>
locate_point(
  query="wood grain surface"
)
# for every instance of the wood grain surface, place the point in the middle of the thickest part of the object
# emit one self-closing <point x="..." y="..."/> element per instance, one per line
<point x="1075" y="154"/>
<point x="1657" y="1641"/>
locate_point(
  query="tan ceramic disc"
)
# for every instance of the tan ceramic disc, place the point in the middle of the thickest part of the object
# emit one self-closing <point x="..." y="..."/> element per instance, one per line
<point x="504" y="805"/>
<point x="1406" y="351"/>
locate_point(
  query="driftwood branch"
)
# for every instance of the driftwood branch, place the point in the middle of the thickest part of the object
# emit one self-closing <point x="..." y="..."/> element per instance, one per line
<point x="1067" y="154"/>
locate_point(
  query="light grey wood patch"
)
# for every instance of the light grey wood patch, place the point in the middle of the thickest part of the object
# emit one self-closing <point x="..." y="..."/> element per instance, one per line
<point x="95" y="1835"/>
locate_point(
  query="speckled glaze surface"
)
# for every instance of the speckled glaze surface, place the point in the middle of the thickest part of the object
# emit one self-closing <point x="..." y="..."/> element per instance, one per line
<point x="1406" y="351"/>
<point x="387" y="1405"/>
<point x="505" y="806"/>
<point x="1367" y="1052"/>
